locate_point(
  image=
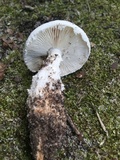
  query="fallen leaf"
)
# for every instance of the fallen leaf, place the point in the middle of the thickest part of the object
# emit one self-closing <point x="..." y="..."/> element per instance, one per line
<point x="10" y="31"/>
<point x="15" y="46"/>
<point x="2" y="70"/>
<point x="9" y="43"/>
<point x="19" y="35"/>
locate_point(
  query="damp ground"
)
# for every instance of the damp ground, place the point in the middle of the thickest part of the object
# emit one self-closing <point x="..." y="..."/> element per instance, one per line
<point x="93" y="90"/>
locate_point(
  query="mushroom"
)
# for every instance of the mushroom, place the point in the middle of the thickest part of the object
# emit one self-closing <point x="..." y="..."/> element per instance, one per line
<point x="54" y="49"/>
<point x="71" y="40"/>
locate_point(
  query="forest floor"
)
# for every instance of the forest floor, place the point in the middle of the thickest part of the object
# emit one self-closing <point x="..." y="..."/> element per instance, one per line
<point x="92" y="94"/>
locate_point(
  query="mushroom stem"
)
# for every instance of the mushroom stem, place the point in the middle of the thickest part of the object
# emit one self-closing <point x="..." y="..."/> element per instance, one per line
<point x="49" y="74"/>
<point x="46" y="113"/>
<point x="54" y="56"/>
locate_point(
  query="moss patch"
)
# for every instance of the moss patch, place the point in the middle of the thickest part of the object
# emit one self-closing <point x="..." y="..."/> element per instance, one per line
<point x="97" y="90"/>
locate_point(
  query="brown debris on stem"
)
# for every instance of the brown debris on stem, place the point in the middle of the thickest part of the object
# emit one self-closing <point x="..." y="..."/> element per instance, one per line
<point x="47" y="123"/>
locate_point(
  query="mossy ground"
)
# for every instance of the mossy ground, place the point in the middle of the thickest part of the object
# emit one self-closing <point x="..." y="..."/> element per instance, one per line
<point x="98" y="90"/>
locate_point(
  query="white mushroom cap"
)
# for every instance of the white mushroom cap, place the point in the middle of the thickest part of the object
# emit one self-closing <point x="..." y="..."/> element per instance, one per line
<point x="71" y="40"/>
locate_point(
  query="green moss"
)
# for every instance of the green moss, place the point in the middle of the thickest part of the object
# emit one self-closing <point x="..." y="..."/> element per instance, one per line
<point x="97" y="90"/>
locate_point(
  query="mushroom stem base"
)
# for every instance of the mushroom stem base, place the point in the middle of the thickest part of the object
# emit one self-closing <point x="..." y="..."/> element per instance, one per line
<point x="47" y="123"/>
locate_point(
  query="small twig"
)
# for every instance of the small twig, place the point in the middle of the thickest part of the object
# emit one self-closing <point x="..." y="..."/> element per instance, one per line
<point x="102" y="124"/>
<point x="74" y="128"/>
<point x="88" y="5"/>
<point x="102" y="141"/>
<point x="27" y="7"/>
<point x="99" y="157"/>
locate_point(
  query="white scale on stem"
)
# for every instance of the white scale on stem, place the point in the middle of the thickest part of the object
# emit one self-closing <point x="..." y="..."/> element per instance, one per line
<point x="49" y="74"/>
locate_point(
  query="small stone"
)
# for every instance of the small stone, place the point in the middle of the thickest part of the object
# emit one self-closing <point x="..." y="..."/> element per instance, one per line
<point x="114" y="66"/>
<point x="17" y="79"/>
